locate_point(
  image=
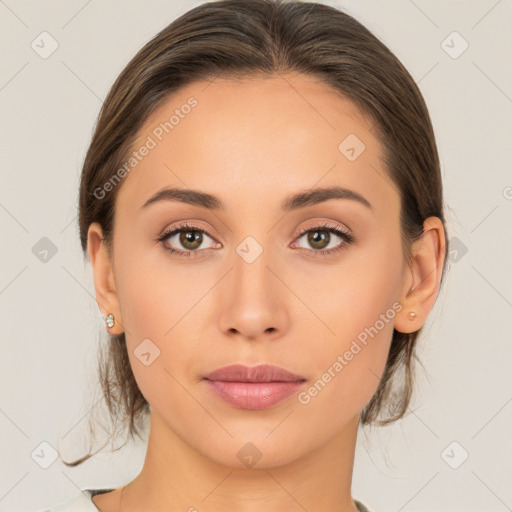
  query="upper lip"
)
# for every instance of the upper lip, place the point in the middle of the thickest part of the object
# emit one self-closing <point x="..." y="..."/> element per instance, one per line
<point x="260" y="373"/>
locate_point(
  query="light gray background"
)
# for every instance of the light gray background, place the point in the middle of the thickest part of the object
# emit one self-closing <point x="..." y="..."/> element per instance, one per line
<point x="50" y="322"/>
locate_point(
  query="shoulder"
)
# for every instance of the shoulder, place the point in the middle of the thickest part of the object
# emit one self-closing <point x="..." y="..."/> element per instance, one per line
<point x="82" y="502"/>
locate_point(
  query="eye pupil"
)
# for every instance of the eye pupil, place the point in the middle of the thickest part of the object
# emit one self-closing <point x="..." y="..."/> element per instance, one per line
<point x="191" y="236"/>
<point x="315" y="237"/>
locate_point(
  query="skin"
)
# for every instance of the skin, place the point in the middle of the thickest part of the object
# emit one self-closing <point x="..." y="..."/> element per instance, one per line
<point x="252" y="143"/>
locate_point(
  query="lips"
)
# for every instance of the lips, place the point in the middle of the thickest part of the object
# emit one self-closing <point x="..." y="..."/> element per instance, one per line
<point x="257" y="387"/>
<point x="261" y="373"/>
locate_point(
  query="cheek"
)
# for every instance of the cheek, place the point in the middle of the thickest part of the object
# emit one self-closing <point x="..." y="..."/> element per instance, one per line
<point x="159" y="302"/>
<point x="355" y="299"/>
<point x="154" y="291"/>
<point x="348" y="375"/>
<point x="338" y="395"/>
<point x="359" y="311"/>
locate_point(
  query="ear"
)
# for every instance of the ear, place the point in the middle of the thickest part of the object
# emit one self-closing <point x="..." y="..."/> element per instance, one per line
<point x="106" y="292"/>
<point x="422" y="276"/>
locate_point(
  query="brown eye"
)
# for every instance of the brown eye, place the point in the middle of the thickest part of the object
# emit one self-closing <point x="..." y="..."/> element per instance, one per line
<point x="189" y="240"/>
<point x="320" y="237"/>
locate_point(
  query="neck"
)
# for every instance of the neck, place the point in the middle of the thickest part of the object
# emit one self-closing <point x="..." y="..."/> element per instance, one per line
<point x="175" y="476"/>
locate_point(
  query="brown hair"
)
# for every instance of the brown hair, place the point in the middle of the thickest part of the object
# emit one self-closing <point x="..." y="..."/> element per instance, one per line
<point x="244" y="38"/>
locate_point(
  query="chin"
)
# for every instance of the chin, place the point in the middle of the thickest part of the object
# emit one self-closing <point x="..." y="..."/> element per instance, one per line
<point x="252" y="452"/>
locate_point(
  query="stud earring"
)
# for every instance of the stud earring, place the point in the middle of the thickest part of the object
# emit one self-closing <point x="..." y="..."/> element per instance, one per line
<point x="109" y="320"/>
<point x="412" y="315"/>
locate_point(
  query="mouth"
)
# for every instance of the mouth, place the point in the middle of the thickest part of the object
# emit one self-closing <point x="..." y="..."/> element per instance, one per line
<point x="258" y="387"/>
<point x="260" y="373"/>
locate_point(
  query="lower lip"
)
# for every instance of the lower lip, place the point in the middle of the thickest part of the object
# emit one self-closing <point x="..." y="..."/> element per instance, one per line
<point x="253" y="395"/>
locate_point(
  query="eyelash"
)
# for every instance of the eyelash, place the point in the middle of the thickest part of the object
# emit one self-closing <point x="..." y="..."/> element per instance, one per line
<point x="331" y="228"/>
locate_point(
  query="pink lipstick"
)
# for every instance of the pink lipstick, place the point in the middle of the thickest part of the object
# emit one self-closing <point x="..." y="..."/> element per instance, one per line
<point x="257" y="387"/>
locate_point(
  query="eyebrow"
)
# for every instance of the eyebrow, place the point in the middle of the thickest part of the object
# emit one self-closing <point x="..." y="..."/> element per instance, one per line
<point x="294" y="202"/>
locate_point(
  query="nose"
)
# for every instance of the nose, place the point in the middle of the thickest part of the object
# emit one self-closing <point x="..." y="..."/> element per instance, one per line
<point x="253" y="300"/>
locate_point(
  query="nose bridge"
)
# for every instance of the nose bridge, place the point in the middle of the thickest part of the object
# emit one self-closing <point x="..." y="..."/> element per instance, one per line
<point x="250" y="299"/>
<point x="252" y="259"/>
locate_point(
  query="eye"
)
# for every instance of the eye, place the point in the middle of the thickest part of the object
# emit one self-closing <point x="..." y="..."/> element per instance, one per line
<point x="319" y="237"/>
<point x="190" y="237"/>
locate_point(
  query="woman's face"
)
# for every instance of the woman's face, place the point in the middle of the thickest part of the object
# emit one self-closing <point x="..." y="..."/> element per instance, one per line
<point x="248" y="288"/>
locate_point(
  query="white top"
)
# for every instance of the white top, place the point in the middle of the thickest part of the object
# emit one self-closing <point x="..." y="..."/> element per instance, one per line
<point x="83" y="503"/>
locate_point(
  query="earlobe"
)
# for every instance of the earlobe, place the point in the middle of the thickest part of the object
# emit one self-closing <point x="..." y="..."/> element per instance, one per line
<point x="104" y="283"/>
<point x="422" y="277"/>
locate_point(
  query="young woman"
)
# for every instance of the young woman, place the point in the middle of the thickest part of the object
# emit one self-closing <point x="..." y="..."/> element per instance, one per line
<point x="262" y="207"/>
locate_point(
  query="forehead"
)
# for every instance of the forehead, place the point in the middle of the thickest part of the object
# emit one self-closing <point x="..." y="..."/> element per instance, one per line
<point x="257" y="137"/>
